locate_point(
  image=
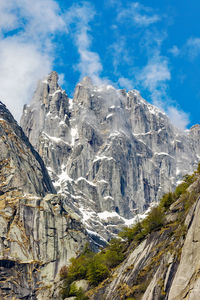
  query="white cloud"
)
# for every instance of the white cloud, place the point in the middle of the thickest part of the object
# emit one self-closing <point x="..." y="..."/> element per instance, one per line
<point x="155" y="72"/>
<point x="178" y="117"/>
<point x="125" y="83"/>
<point x="21" y="65"/>
<point x="138" y="14"/>
<point x="89" y="63"/>
<point x="192" y="48"/>
<point x="120" y="54"/>
<point x="154" y="77"/>
<point x="27" y="54"/>
<point x="61" y="79"/>
<point x="8" y="20"/>
<point x="175" y="50"/>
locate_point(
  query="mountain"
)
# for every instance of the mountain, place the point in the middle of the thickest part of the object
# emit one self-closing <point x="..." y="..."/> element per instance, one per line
<point x="157" y="259"/>
<point x="111" y="156"/>
<point x="38" y="231"/>
<point x="111" y="153"/>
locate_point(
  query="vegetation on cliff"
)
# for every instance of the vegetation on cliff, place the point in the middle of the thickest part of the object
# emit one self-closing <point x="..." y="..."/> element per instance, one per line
<point x="170" y="233"/>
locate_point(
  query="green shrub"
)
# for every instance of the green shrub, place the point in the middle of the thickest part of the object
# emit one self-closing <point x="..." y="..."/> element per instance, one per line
<point x="73" y="289"/>
<point x="79" y="293"/>
<point x="97" y="271"/>
<point x="132" y="233"/>
<point x="78" y="268"/>
<point x="113" y="255"/>
<point x="154" y="220"/>
<point x="167" y="200"/>
<point x="198" y="168"/>
<point x="181" y="188"/>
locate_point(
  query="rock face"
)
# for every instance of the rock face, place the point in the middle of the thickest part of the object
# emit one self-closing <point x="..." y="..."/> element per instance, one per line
<point x="109" y="150"/>
<point x="166" y="264"/>
<point x="21" y="166"/>
<point x="38" y="231"/>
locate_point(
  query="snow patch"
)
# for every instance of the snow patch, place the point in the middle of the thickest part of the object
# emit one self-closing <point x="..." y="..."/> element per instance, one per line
<point x="74" y="135"/>
<point x="70" y="103"/>
<point x="107" y="214"/>
<point x="62" y="177"/>
<point x="45" y="81"/>
<point x="56" y="92"/>
<point x="54" y="139"/>
<point x="83" y="178"/>
<point x="108" y="197"/>
<point x="109" y="116"/>
<point x="102" y="157"/>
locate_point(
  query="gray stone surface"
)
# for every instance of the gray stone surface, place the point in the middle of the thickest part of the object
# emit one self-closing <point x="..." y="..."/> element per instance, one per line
<point x="165" y="274"/>
<point x="38" y="231"/>
<point x="21" y="166"/>
<point x="108" y="150"/>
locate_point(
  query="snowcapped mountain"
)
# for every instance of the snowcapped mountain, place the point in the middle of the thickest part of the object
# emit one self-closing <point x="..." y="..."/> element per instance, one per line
<point x="108" y="151"/>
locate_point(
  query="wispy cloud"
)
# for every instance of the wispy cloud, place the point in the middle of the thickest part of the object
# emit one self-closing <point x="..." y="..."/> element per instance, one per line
<point x="178" y="117"/>
<point x="125" y="83"/>
<point x="155" y="77"/>
<point x="174" y="50"/>
<point x="138" y="14"/>
<point x="120" y="54"/>
<point x="191" y="49"/>
<point x="26" y="47"/>
<point x="89" y="64"/>
<point x="155" y="72"/>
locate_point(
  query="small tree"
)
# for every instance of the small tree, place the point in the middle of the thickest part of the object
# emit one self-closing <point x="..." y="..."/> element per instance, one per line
<point x="97" y="271"/>
<point x="154" y="220"/>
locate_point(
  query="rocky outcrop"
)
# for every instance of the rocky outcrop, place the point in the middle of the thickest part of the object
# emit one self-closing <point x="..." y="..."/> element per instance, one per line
<point x="21" y="166"/>
<point x="166" y="264"/>
<point x="39" y="233"/>
<point x="109" y="150"/>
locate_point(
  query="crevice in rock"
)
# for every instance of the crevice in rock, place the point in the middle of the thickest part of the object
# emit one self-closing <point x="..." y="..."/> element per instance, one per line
<point x="11" y="220"/>
<point x="7" y="263"/>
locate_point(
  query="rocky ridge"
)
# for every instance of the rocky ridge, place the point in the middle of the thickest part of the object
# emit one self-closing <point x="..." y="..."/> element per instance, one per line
<point x="111" y="152"/>
<point x="38" y="231"/>
<point x="165" y="265"/>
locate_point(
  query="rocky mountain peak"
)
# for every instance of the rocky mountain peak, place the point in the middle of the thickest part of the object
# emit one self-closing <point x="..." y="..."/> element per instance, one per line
<point x="49" y="104"/>
<point x="87" y="81"/>
<point x="52" y="80"/>
<point x="5" y="114"/>
<point x="110" y="150"/>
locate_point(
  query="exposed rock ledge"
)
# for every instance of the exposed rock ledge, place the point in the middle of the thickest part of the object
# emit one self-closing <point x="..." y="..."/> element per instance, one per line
<point x="38" y="237"/>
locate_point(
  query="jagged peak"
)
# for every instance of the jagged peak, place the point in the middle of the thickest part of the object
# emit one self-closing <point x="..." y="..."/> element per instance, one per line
<point x="52" y="81"/>
<point x="53" y="76"/>
<point x="5" y="113"/>
<point x="86" y="81"/>
<point x="194" y="127"/>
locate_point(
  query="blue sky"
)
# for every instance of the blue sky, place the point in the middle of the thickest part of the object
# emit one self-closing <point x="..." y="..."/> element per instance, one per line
<point x="152" y="46"/>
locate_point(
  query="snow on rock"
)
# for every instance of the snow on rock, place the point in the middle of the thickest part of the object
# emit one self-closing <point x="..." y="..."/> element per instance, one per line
<point x="84" y="179"/>
<point x="74" y="135"/>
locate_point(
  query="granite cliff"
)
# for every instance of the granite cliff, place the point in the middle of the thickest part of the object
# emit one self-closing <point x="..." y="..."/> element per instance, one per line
<point x="38" y="231"/>
<point x="158" y="257"/>
<point x="109" y="150"/>
<point x="93" y="163"/>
